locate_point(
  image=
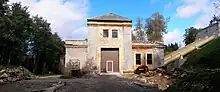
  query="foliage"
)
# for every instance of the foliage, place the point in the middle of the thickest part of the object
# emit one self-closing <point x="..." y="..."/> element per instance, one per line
<point x="190" y="35"/>
<point x="66" y="77"/>
<point x="209" y="53"/>
<point x="153" y="29"/>
<point x="27" y="41"/>
<point x="139" y="28"/>
<point x="214" y="20"/>
<point x="171" y="47"/>
<point x="156" y="27"/>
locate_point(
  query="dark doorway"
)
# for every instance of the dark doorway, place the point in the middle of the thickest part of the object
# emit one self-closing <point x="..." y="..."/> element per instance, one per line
<point x="109" y="59"/>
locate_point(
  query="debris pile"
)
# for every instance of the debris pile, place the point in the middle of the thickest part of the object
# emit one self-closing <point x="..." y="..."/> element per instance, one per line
<point x="161" y="77"/>
<point x="89" y="72"/>
<point x="14" y="74"/>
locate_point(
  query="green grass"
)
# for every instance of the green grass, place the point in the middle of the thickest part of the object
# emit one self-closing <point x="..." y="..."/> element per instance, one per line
<point x="7" y="66"/>
<point x="43" y="75"/>
<point x="65" y="77"/>
<point x="207" y="57"/>
<point x="201" y="62"/>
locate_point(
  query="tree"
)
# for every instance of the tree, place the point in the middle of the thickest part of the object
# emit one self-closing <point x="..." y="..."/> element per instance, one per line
<point x="156" y="27"/>
<point x="171" y="47"/>
<point x="139" y="29"/>
<point x="28" y="41"/>
<point x="214" y="20"/>
<point x="190" y="35"/>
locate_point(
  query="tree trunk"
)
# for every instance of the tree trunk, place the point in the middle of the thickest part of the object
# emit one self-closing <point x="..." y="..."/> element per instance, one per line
<point x="9" y="58"/>
<point x="44" y="68"/>
<point x="36" y="63"/>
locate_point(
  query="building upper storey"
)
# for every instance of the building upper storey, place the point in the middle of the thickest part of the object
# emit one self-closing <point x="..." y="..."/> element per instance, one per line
<point x="109" y="19"/>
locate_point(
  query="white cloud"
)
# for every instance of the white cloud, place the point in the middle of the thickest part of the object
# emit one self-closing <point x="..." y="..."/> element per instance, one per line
<point x="205" y="9"/>
<point x="189" y="8"/>
<point x="66" y="17"/>
<point x="187" y="11"/>
<point x="206" y="16"/>
<point x="174" y="36"/>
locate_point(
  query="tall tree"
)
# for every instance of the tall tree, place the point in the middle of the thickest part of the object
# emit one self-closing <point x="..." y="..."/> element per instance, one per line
<point x="156" y="27"/>
<point x="190" y="35"/>
<point x="139" y="29"/>
<point x="171" y="47"/>
<point x="28" y="41"/>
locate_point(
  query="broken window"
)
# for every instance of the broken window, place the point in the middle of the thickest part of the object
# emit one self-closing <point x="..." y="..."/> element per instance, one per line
<point x="105" y="33"/>
<point x="114" y="33"/>
<point x="149" y="59"/>
<point x="138" y="59"/>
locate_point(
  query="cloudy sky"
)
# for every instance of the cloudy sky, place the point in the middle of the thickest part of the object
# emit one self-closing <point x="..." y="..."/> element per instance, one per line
<point x="68" y="17"/>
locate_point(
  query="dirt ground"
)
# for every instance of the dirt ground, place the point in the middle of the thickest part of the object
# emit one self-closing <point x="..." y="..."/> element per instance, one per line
<point x="97" y="84"/>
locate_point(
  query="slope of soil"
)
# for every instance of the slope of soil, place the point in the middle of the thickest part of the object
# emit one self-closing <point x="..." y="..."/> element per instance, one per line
<point x="204" y="67"/>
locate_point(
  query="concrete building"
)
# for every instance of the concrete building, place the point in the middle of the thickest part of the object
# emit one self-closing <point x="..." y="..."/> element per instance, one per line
<point x="110" y="48"/>
<point x="213" y="29"/>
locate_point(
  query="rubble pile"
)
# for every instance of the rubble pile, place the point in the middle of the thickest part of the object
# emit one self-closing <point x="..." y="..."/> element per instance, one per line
<point x="14" y="74"/>
<point x="162" y="77"/>
<point x="89" y="72"/>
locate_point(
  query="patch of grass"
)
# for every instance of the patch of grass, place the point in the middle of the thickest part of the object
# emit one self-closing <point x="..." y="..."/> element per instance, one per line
<point x="1" y="67"/>
<point x="207" y="57"/>
<point x="66" y="77"/>
<point x="7" y="66"/>
<point x="205" y="64"/>
<point x="43" y="75"/>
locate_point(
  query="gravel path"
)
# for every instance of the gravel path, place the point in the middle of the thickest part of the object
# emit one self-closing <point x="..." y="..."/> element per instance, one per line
<point x="98" y="84"/>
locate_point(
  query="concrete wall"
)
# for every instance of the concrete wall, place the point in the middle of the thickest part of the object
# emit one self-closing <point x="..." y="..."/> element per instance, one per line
<point x="96" y="42"/>
<point x="128" y="60"/>
<point x="158" y="56"/>
<point x="76" y="42"/>
<point x="208" y="31"/>
<point x="92" y="44"/>
<point x="75" y="50"/>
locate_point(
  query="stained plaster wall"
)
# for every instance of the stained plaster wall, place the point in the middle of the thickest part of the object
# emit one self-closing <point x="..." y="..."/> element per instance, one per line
<point x="158" y="55"/>
<point x="75" y="50"/>
<point x="209" y="31"/>
<point x="123" y="42"/>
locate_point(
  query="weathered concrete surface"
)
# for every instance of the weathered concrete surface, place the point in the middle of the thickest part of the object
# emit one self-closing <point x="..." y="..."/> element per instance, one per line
<point x="75" y="50"/>
<point x="123" y="42"/>
<point x="98" y="84"/>
<point x="158" y="57"/>
<point x="209" y="31"/>
<point x="157" y="52"/>
<point x="128" y="60"/>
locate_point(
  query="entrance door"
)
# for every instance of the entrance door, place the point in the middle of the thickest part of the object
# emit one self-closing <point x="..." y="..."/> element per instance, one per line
<point x="109" y="66"/>
<point x="109" y="60"/>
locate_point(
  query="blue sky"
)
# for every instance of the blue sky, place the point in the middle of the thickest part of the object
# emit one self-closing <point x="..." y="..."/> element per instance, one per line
<point x="144" y="8"/>
<point x="68" y="17"/>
